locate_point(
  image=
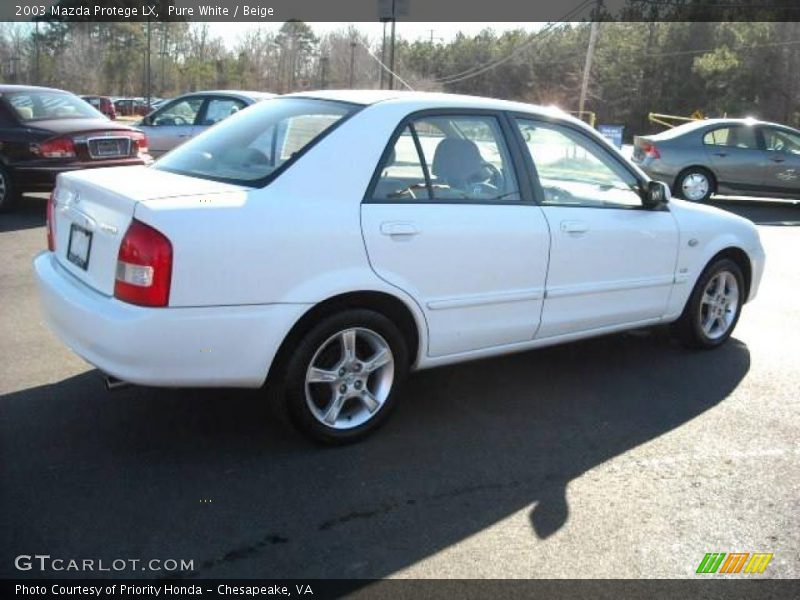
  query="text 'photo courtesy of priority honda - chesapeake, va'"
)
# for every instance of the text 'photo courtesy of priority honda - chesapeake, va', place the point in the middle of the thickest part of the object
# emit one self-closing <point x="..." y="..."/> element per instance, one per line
<point x="391" y="298"/>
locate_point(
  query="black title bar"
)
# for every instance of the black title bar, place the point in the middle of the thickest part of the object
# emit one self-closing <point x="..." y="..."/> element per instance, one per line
<point x="265" y="11"/>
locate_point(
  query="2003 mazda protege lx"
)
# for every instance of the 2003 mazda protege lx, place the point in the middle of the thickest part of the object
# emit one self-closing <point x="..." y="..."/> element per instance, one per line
<point x="333" y="241"/>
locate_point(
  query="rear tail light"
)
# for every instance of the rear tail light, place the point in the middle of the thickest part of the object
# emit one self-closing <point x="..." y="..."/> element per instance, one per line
<point x="51" y="222"/>
<point x="139" y="140"/>
<point x="61" y="147"/>
<point x="144" y="266"/>
<point x="651" y="150"/>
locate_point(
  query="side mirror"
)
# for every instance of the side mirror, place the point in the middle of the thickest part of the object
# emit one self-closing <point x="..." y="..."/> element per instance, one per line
<point x="656" y="195"/>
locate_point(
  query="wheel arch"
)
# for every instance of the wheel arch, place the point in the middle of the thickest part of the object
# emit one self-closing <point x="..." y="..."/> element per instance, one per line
<point x="410" y="325"/>
<point x="742" y="260"/>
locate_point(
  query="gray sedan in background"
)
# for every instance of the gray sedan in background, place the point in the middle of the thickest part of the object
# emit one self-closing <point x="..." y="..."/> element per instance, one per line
<point x="724" y="156"/>
<point x="182" y="118"/>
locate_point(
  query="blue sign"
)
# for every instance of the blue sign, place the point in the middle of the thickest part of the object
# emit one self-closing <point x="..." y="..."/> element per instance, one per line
<point x="613" y="133"/>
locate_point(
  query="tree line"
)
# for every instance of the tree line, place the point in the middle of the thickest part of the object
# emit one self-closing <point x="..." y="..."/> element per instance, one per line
<point x="716" y="68"/>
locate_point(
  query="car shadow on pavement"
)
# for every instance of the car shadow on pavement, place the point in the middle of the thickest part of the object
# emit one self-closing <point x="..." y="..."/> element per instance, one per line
<point x="212" y="476"/>
<point x="762" y="212"/>
<point x="27" y="213"/>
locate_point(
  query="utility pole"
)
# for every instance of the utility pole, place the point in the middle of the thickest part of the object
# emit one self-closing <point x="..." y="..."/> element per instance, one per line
<point x="391" y="52"/>
<point x="352" y="63"/>
<point x="587" y="67"/>
<point x="163" y="54"/>
<point x="383" y="54"/>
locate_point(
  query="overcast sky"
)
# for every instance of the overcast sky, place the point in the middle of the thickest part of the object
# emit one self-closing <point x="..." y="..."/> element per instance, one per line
<point x="412" y="30"/>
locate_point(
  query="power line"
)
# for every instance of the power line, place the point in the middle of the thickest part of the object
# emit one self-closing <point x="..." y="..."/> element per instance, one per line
<point x="383" y="66"/>
<point x="475" y="71"/>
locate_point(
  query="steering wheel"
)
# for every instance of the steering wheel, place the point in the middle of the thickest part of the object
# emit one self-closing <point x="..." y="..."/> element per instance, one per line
<point x="496" y="177"/>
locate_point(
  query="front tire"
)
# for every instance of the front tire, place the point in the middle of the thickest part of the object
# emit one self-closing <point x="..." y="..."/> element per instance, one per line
<point x="714" y="306"/>
<point x="695" y="185"/>
<point x="342" y="379"/>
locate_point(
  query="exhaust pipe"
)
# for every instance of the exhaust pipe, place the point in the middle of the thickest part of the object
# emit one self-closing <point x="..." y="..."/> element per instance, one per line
<point x="113" y="384"/>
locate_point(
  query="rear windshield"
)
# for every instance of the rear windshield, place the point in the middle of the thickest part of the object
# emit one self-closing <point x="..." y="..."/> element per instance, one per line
<point x="251" y="146"/>
<point x="36" y="106"/>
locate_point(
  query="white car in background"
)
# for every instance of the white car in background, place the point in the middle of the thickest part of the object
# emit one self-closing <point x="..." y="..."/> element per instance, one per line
<point x="330" y="242"/>
<point x="180" y="119"/>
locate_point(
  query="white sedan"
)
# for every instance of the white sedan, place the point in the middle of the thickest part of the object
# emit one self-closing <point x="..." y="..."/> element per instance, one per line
<point x="329" y="242"/>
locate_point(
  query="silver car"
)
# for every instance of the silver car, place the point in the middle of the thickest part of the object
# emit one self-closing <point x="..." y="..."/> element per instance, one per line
<point x="723" y="156"/>
<point x="184" y="117"/>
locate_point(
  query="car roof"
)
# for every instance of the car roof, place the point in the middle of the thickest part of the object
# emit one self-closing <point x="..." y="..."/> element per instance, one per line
<point x="11" y="88"/>
<point x="241" y="93"/>
<point x="419" y="100"/>
<point x="707" y="123"/>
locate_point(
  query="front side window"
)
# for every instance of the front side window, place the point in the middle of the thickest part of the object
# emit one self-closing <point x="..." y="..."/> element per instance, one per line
<point x="449" y="158"/>
<point x="250" y="146"/>
<point x="574" y="171"/>
<point x="36" y="106"/>
<point x="780" y="140"/>
<point x="182" y="112"/>
<point x="738" y="136"/>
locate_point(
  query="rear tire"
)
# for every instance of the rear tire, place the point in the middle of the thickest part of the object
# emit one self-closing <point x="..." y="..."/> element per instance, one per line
<point x="8" y="194"/>
<point x="342" y="379"/>
<point x="714" y="306"/>
<point x="695" y="184"/>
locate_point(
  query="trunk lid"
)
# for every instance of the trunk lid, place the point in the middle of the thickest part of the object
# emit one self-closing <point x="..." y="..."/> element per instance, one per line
<point x="94" y="208"/>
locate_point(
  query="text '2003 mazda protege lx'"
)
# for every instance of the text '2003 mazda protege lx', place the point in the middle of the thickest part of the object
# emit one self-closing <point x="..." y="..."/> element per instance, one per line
<point x="330" y="242"/>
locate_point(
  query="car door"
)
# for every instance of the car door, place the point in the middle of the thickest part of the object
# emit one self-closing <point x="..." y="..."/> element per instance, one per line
<point x="446" y="221"/>
<point x="216" y="109"/>
<point x="612" y="262"/>
<point x="172" y="124"/>
<point x="735" y="155"/>
<point x="782" y="170"/>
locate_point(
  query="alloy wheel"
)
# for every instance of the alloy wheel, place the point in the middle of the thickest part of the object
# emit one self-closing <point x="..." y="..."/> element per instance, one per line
<point x="719" y="305"/>
<point x="349" y="378"/>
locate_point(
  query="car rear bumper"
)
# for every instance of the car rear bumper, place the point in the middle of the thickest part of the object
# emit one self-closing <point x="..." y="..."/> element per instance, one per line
<point x="194" y="347"/>
<point x="43" y="177"/>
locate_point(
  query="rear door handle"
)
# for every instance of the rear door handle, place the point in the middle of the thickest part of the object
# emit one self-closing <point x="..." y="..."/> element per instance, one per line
<point x="778" y="160"/>
<point x="397" y="228"/>
<point x="723" y="154"/>
<point x="574" y="226"/>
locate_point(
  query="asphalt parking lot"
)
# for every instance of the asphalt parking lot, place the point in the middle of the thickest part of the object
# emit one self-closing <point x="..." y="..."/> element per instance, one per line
<point x="623" y="456"/>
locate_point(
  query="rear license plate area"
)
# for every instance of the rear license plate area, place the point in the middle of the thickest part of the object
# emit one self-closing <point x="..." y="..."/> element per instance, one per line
<point x="109" y="148"/>
<point x="79" y="247"/>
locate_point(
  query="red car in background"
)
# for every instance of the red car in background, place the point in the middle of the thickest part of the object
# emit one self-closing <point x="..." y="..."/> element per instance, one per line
<point x="103" y="104"/>
<point x="131" y="107"/>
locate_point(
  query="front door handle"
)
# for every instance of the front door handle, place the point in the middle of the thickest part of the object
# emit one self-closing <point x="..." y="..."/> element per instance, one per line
<point x="778" y="159"/>
<point x="574" y="226"/>
<point x="723" y="154"/>
<point x="399" y="229"/>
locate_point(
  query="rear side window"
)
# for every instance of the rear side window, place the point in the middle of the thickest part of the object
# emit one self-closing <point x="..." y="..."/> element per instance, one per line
<point x="449" y="158"/>
<point x="739" y="136"/>
<point x="251" y="146"/>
